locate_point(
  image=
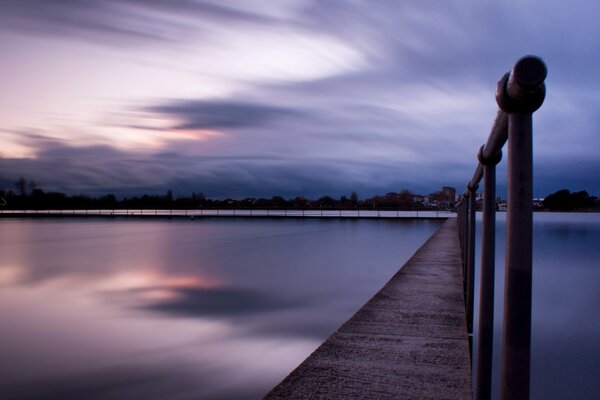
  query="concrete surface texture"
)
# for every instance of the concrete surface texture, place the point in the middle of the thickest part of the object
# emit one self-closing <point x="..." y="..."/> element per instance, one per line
<point x="408" y="342"/>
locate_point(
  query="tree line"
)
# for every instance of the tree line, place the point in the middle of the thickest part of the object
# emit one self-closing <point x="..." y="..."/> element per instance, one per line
<point x="28" y="195"/>
<point x="565" y="200"/>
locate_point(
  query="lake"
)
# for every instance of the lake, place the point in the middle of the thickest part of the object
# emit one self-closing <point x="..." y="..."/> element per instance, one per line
<point x="216" y="308"/>
<point x="565" y="332"/>
<point x="224" y="308"/>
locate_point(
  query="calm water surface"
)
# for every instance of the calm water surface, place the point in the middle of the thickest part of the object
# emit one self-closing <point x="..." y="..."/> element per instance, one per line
<point x="215" y="308"/>
<point x="565" y="343"/>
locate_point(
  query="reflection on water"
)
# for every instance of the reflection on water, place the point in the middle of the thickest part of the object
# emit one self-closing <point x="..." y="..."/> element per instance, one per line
<point x="565" y="351"/>
<point x="219" y="308"/>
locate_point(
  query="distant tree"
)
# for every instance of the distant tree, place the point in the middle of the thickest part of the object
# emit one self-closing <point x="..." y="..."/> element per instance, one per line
<point x="559" y="201"/>
<point x="21" y="186"/>
<point x="326" y="201"/>
<point x="80" y="201"/>
<point x="564" y="200"/>
<point x="353" y="199"/>
<point x="38" y="198"/>
<point x="406" y="198"/>
<point x="56" y="200"/>
<point x="32" y="185"/>
<point x="169" y="196"/>
<point x="108" y="201"/>
<point x="199" y="197"/>
<point x="583" y="200"/>
<point x="300" y="202"/>
<point x="278" y="202"/>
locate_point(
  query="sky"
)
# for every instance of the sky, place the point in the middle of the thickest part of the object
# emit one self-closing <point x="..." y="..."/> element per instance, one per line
<point x="256" y="98"/>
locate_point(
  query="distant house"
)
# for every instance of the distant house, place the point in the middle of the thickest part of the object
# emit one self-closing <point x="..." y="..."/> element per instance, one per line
<point x="420" y="200"/>
<point x="450" y="193"/>
<point x="446" y="198"/>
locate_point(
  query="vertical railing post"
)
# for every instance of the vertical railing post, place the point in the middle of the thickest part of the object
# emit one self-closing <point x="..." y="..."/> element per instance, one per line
<point x="519" y="93"/>
<point x="465" y="244"/>
<point x="471" y="260"/>
<point x="459" y="216"/>
<point x="518" y="274"/>
<point x="485" y="337"/>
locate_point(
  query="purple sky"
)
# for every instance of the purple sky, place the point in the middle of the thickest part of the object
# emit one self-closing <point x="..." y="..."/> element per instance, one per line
<point x="259" y="98"/>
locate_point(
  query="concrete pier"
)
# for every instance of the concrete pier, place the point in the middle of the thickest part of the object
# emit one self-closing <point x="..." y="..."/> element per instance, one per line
<point x="408" y="342"/>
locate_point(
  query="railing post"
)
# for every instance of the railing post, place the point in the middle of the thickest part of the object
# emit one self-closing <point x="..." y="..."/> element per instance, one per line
<point x="471" y="258"/>
<point x="485" y="337"/>
<point x="519" y="93"/>
<point x="466" y="246"/>
<point x="462" y="231"/>
<point x="461" y="213"/>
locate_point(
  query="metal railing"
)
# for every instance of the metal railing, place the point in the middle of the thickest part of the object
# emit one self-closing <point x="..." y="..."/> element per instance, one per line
<point x="519" y="93"/>
<point x="230" y="212"/>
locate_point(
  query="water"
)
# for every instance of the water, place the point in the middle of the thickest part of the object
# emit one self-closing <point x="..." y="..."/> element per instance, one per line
<point x="213" y="308"/>
<point x="565" y="342"/>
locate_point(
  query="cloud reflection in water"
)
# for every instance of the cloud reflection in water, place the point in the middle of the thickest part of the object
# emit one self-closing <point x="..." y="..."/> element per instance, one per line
<point x="181" y="309"/>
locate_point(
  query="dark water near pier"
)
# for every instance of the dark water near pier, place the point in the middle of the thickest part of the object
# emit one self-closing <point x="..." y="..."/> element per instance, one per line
<point x="149" y="309"/>
<point x="565" y="344"/>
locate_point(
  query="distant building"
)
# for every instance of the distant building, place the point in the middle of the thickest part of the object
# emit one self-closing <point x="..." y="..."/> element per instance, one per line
<point x="450" y="193"/>
<point x="420" y="200"/>
<point x="446" y="198"/>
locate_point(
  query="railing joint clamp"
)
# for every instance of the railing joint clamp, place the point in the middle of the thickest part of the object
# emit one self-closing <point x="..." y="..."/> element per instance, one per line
<point x="493" y="160"/>
<point x="472" y="189"/>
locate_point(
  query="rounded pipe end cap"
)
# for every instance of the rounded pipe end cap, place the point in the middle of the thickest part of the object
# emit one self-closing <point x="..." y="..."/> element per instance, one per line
<point x="530" y="72"/>
<point x="523" y="89"/>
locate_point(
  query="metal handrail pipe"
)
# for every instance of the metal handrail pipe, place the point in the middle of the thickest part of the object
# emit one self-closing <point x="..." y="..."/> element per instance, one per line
<point x="477" y="175"/>
<point x="519" y="93"/>
<point x="522" y="89"/>
<point x="498" y="135"/>
<point x="494" y="144"/>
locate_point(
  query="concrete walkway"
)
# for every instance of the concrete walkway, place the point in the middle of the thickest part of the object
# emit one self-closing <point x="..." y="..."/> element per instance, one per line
<point x="408" y="342"/>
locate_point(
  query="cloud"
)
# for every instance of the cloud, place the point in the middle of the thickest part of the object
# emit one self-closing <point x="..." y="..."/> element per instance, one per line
<point x="206" y="114"/>
<point x="100" y="169"/>
<point x="120" y="22"/>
